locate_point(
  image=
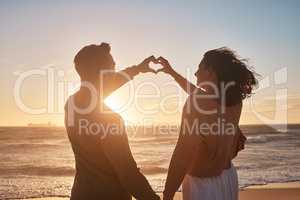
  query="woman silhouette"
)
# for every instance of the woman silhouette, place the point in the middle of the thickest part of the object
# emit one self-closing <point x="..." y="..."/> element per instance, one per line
<point x="209" y="135"/>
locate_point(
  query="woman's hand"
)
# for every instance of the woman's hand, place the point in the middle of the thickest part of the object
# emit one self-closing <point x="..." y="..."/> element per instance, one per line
<point x="144" y="66"/>
<point x="167" y="68"/>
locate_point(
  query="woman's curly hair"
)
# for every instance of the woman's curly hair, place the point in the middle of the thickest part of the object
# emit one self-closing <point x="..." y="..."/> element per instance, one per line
<point x="230" y="69"/>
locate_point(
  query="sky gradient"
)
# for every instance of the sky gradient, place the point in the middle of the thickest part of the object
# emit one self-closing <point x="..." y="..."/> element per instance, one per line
<point x="39" y="34"/>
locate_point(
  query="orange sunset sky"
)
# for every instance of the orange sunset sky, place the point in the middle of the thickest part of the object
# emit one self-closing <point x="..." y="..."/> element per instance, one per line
<point x="45" y="36"/>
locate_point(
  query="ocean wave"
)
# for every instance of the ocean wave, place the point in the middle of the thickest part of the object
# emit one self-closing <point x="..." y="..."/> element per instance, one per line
<point x="264" y="138"/>
<point x="170" y="140"/>
<point x="153" y="162"/>
<point x="257" y="139"/>
<point x="25" y="172"/>
<point x="150" y="170"/>
<point x="31" y="170"/>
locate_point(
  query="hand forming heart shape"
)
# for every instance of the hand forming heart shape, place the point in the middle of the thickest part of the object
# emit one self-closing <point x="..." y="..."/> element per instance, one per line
<point x="156" y="66"/>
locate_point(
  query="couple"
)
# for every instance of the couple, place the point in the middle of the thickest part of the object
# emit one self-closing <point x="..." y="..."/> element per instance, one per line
<point x="201" y="162"/>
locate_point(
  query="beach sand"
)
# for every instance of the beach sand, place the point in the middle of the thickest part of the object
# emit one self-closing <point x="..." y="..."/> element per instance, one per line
<point x="274" y="191"/>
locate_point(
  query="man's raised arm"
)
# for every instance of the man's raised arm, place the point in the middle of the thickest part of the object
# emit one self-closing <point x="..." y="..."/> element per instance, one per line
<point x="122" y="77"/>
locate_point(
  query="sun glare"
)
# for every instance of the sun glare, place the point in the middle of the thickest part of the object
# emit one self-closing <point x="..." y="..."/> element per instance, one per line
<point x="113" y="103"/>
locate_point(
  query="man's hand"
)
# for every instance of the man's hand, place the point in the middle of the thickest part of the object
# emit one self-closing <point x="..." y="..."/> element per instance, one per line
<point x="144" y="66"/>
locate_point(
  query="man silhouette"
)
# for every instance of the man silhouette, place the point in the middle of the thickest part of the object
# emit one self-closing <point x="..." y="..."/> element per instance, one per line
<point x="105" y="168"/>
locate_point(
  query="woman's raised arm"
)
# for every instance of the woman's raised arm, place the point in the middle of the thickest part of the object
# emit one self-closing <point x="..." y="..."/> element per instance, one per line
<point x="186" y="85"/>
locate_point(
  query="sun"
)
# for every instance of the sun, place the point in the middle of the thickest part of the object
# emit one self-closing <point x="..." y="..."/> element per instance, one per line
<point x="113" y="103"/>
<point x="128" y="114"/>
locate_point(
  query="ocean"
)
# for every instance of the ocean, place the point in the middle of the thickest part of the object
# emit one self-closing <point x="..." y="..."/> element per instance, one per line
<point x="39" y="162"/>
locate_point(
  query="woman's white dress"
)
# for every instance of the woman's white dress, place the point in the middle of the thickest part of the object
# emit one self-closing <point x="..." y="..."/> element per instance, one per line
<point x="222" y="187"/>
